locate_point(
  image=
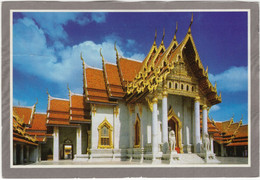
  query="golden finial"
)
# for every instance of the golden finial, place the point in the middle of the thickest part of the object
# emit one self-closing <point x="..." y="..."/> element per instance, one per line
<point x="155" y="36"/>
<point x="68" y="87"/>
<point x="207" y="69"/>
<point x="191" y="23"/>
<point x="176" y="31"/>
<point x="102" y="56"/>
<point x="163" y="34"/>
<point x="215" y="86"/>
<point x="47" y="92"/>
<point x="36" y="101"/>
<point x="116" y="50"/>
<point x="81" y="56"/>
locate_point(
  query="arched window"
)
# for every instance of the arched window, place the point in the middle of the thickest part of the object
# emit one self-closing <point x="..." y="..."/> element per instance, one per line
<point x="181" y="86"/>
<point x="192" y="88"/>
<point x="187" y="88"/>
<point x="137" y="132"/>
<point x="169" y="85"/>
<point x="176" y="86"/>
<point x="105" y="135"/>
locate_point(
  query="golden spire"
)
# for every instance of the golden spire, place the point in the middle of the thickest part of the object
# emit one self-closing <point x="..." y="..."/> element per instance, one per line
<point x="175" y="31"/>
<point x="116" y="51"/>
<point x="163" y="35"/>
<point x="68" y="88"/>
<point x="103" y="61"/>
<point x="47" y="92"/>
<point x="189" y="31"/>
<point x="215" y="86"/>
<point x="36" y="101"/>
<point x="154" y="43"/>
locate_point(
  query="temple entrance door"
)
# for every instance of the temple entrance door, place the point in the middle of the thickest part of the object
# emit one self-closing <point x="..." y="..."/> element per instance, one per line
<point x="68" y="151"/>
<point x="174" y="126"/>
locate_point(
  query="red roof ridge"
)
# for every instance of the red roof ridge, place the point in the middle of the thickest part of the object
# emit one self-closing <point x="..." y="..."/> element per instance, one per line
<point x="40" y="112"/>
<point x="107" y="62"/>
<point x="76" y="94"/>
<point x="130" y="59"/>
<point x="91" y="67"/>
<point x="23" y="106"/>
<point x="61" y="99"/>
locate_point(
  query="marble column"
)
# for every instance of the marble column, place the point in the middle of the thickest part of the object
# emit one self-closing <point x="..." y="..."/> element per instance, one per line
<point x="21" y="154"/>
<point x="14" y="155"/>
<point x="56" y="144"/>
<point x="164" y="118"/>
<point x="204" y="120"/>
<point x="154" y="128"/>
<point x="27" y="153"/>
<point x="212" y="144"/>
<point x="222" y="150"/>
<point x="79" y="140"/>
<point x="36" y="153"/>
<point x="197" y="125"/>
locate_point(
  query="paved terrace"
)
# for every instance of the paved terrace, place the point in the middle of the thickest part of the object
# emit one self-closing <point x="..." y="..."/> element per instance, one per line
<point x="223" y="160"/>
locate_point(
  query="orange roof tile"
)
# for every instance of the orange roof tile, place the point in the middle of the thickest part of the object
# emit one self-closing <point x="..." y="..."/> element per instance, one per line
<point x="238" y="144"/>
<point x="129" y="68"/>
<point x="77" y="112"/>
<point x="232" y="128"/>
<point x="56" y="115"/>
<point x="77" y="101"/>
<point x="95" y="79"/>
<point x="24" y="112"/>
<point x="24" y="141"/>
<point x="39" y="122"/>
<point x="112" y="74"/>
<point x="36" y="133"/>
<point x="242" y="131"/>
<point x="59" y="105"/>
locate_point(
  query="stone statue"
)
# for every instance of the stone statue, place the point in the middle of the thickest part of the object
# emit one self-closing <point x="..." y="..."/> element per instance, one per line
<point x="206" y="142"/>
<point x="172" y="140"/>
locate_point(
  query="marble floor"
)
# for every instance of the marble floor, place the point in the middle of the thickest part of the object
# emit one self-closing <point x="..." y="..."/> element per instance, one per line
<point x="223" y="160"/>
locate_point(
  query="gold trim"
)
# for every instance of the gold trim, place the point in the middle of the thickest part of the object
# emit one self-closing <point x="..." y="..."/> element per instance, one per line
<point x="137" y="120"/>
<point x="150" y="104"/>
<point x="171" y="114"/>
<point x="110" y="129"/>
<point x="116" y="110"/>
<point x="93" y="109"/>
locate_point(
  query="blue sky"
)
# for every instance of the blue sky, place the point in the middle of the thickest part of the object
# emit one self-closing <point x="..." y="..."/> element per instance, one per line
<point x="47" y="46"/>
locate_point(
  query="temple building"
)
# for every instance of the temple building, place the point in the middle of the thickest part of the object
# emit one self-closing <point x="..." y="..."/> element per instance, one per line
<point x="127" y="110"/>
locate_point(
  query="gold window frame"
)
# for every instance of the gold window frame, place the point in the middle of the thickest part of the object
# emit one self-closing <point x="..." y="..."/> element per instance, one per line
<point x="110" y="130"/>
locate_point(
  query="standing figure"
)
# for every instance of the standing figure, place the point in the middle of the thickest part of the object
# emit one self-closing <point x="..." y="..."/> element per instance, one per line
<point x="172" y="140"/>
<point x="206" y="142"/>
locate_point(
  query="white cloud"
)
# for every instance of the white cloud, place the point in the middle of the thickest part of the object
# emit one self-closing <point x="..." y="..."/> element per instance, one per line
<point x="215" y="108"/>
<point x="32" y="55"/>
<point x="52" y="22"/>
<point x="232" y="80"/>
<point x="98" y="17"/>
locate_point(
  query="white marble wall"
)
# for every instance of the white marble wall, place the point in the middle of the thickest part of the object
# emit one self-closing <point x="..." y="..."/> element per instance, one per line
<point x="102" y="112"/>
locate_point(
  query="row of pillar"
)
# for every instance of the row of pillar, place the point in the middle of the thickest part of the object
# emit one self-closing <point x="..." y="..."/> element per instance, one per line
<point x="56" y="142"/>
<point x="30" y="157"/>
<point x="197" y="142"/>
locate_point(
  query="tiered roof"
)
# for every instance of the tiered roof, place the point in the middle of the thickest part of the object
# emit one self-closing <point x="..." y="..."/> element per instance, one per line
<point x="38" y="128"/>
<point x="68" y="112"/>
<point x="58" y="111"/>
<point x="19" y="127"/>
<point x="230" y="133"/>
<point x="26" y="113"/>
<point x="151" y="76"/>
<point x="79" y="111"/>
